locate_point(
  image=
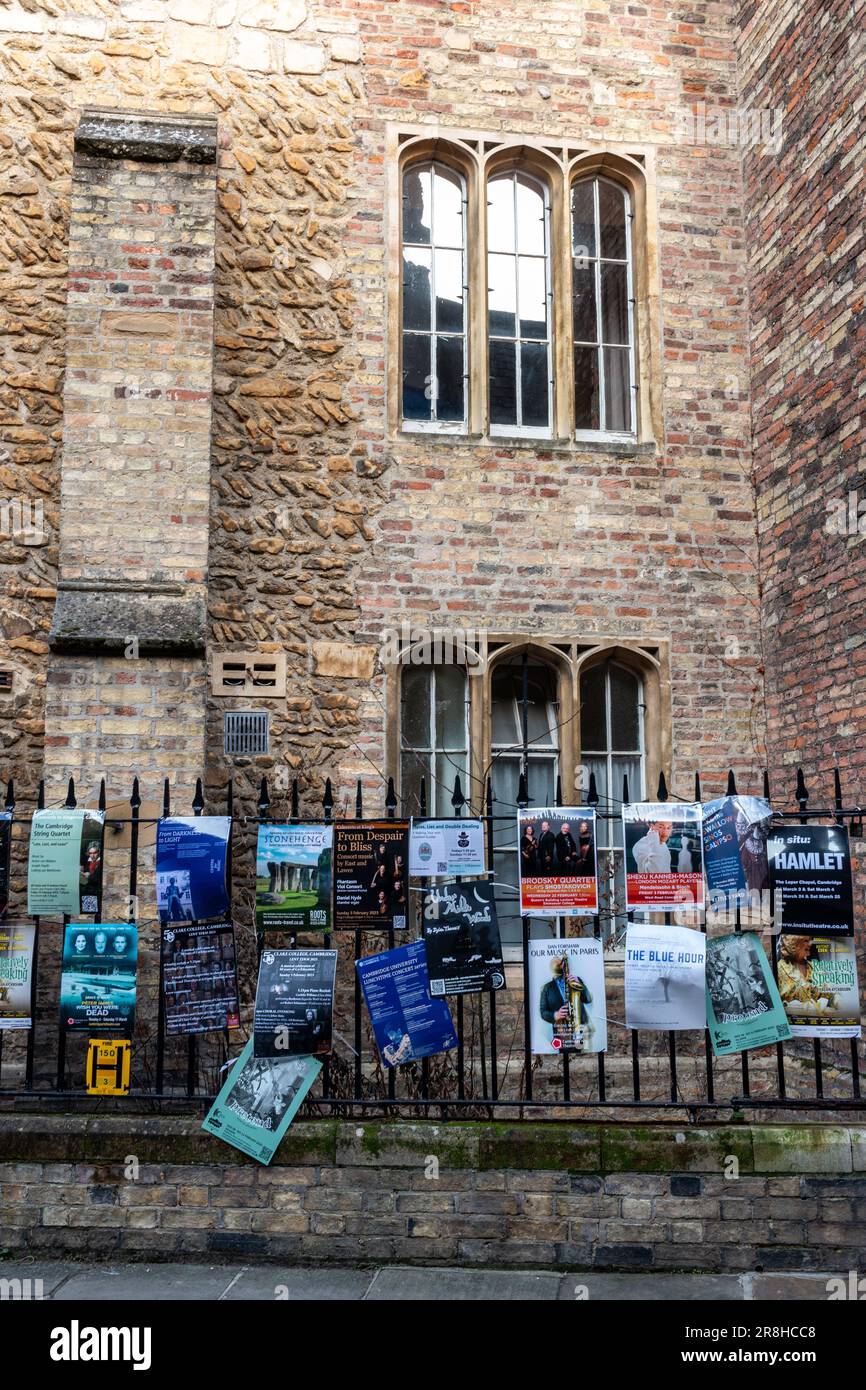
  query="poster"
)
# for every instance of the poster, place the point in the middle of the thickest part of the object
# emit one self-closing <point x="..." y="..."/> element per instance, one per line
<point x="97" y="986"/>
<point x="64" y="869"/>
<point x="743" y="1005"/>
<point x="259" y="1100"/>
<point x="461" y="939"/>
<point x="16" y="975"/>
<point x="293" y="877"/>
<point x="191" y="867"/>
<point x="665" y="977"/>
<point x="810" y="873"/>
<point x="294" y="1003"/>
<point x="663" y="859"/>
<point x="817" y="978"/>
<point x="199" y="978"/>
<point x="735" y="830"/>
<point x="407" y="1022"/>
<point x="446" y="847"/>
<point x="558" y="870"/>
<point x="370" y="874"/>
<point x="566" y="988"/>
<point x="5" y="856"/>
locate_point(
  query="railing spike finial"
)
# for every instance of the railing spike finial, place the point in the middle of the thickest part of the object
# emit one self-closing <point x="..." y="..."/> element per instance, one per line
<point x="801" y="794"/>
<point x="10" y="795"/>
<point x="391" y="799"/>
<point x="458" y="800"/>
<point x="198" y="799"/>
<point x="731" y="789"/>
<point x="766" y="784"/>
<point x="422" y="797"/>
<point x="662" y="793"/>
<point x="296" y="815"/>
<point x="558" y="790"/>
<point x="697" y="786"/>
<point x="592" y="796"/>
<point x="359" y="800"/>
<point x="135" y="799"/>
<point x="166" y="798"/>
<point x="488" y="797"/>
<point x="40" y="796"/>
<point x="837" y="788"/>
<point x="522" y="790"/>
<point x="70" y="795"/>
<point x="328" y="799"/>
<point x="101" y="802"/>
<point x="625" y="796"/>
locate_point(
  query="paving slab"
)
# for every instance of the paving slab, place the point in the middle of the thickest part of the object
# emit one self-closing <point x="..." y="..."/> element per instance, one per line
<point x="659" y="1288"/>
<point x="786" y="1287"/>
<point x="408" y="1284"/>
<point x="22" y="1277"/>
<point x="298" y="1285"/>
<point x="147" y="1283"/>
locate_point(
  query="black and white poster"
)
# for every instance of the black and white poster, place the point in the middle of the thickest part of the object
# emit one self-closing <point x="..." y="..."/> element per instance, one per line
<point x="294" y="1003"/>
<point x="461" y="938"/>
<point x="199" y="978"/>
<point x="744" y="1008"/>
<point x="810" y="874"/>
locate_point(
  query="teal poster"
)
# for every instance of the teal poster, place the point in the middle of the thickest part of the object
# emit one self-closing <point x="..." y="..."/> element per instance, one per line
<point x="97" y="985"/>
<point x="744" y="1007"/>
<point x="293" y="877"/>
<point x="259" y="1101"/>
<point x="64" y="870"/>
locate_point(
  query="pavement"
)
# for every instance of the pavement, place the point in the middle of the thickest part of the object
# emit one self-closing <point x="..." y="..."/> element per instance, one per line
<point x="67" y="1281"/>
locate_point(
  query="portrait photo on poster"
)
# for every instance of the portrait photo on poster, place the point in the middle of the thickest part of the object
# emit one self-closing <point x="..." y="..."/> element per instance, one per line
<point x="558" y="861"/>
<point x="663" y="855"/>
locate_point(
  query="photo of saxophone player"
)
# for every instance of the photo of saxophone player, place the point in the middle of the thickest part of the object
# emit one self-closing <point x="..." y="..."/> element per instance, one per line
<point x="563" y="1004"/>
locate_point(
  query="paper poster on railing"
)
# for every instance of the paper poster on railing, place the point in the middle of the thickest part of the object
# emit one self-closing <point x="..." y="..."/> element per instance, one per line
<point x="810" y="874"/>
<point x="64" y="869"/>
<point x="259" y="1100"/>
<point x="443" y="848"/>
<point x="191" y="867"/>
<point x="97" y="984"/>
<point x="199" y="978"/>
<point x="558" y="869"/>
<point x="665" y="977"/>
<point x="5" y="856"/>
<point x="294" y="1003"/>
<point x="293" y="877"/>
<point x="407" y="1022"/>
<point x="817" y="978"/>
<point x="371" y="874"/>
<point x="16" y="975"/>
<point x="663" y="858"/>
<point x="735" y="830"/>
<point x="461" y="938"/>
<point x="567" y="998"/>
<point x="744" y="1009"/>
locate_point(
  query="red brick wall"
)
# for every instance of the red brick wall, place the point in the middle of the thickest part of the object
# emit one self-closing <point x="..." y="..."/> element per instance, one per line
<point x="807" y="273"/>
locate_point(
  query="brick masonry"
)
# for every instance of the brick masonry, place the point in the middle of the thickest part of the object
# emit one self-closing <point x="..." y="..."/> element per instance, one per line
<point x="746" y="1197"/>
<point x="807" y="280"/>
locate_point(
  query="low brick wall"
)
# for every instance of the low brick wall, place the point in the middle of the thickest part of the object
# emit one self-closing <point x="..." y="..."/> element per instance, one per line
<point x="604" y="1196"/>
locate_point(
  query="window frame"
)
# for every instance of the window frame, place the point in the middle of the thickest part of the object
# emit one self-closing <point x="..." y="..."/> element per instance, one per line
<point x="521" y="431"/>
<point x="433" y="750"/>
<point x="434" y="425"/>
<point x="630" y="435"/>
<point x="475" y="157"/>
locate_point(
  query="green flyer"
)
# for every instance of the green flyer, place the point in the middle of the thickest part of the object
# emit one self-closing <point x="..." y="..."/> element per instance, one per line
<point x="744" y="1007"/>
<point x="259" y="1101"/>
<point x="64" y="870"/>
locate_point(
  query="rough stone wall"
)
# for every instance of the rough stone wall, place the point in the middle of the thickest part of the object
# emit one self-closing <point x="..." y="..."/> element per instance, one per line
<point x="322" y="524"/>
<point x="807" y="275"/>
<point x="744" y="1198"/>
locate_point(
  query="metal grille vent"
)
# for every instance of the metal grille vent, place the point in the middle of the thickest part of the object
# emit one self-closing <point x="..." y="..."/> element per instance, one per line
<point x="246" y="732"/>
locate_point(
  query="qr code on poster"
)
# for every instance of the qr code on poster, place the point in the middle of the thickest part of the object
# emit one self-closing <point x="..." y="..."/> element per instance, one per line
<point x="399" y="923"/>
<point x="437" y="986"/>
<point x="442" y="866"/>
<point x="89" y="903"/>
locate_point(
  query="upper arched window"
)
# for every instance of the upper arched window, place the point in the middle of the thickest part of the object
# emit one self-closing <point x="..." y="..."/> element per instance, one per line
<point x="434" y="295"/>
<point x="602" y="308"/>
<point x="518" y="313"/>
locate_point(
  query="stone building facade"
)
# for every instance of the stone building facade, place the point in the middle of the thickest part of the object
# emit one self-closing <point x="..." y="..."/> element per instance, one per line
<point x="172" y="167"/>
